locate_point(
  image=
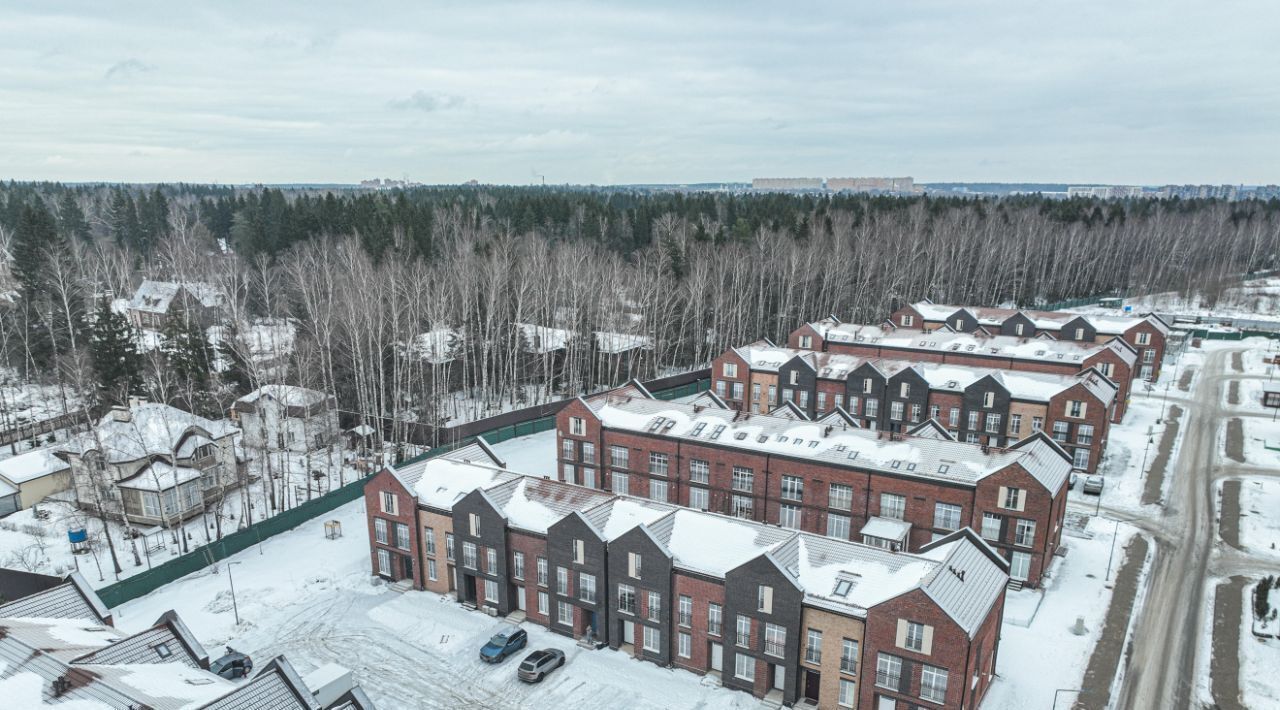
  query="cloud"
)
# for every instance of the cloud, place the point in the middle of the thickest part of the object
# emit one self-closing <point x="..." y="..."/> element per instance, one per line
<point x="127" y="69"/>
<point x="426" y="102"/>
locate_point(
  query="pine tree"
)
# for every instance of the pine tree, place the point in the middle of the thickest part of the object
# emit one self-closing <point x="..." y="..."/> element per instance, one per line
<point x="188" y="352"/>
<point x="71" y="221"/>
<point x="114" y="353"/>
<point x="237" y="372"/>
<point x="35" y="236"/>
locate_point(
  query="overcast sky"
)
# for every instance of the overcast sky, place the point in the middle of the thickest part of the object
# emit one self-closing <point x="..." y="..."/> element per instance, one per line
<point x="270" y="91"/>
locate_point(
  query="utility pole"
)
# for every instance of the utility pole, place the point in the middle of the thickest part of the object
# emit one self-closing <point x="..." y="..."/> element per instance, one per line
<point x="234" y="608"/>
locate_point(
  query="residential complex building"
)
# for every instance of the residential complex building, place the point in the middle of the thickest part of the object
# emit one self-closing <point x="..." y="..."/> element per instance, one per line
<point x="830" y="477"/>
<point x="781" y="613"/>
<point x="1114" y="359"/>
<point x="981" y="405"/>
<point x="1147" y="334"/>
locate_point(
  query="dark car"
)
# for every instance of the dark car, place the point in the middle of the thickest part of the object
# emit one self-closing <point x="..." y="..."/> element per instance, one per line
<point x="233" y="665"/>
<point x="503" y="644"/>
<point x="538" y="664"/>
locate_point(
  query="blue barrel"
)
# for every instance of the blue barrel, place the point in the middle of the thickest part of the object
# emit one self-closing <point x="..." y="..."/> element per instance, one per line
<point x="77" y="535"/>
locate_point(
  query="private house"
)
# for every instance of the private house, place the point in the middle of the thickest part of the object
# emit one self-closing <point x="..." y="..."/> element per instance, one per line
<point x="155" y="302"/>
<point x="286" y="418"/>
<point x="1147" y="334"/>
<point x="619" y="357"/>
<point x="1114" y="359"/>
<point x="783" y="614"/>
<point x="985" y="405"/>
<point x="27" y="479"/>
<point x="60" y="649"/>
<point x="152" y="464"/>
<point x="543" y="351"/>
<point x="893" y="490"/>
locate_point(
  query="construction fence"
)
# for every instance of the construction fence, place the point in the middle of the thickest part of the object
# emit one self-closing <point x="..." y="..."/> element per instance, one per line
<point x="511" y="427"/>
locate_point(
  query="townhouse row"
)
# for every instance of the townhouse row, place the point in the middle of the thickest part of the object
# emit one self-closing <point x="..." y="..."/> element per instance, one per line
<point x="1147" y="334"/>
<point x="975" y="404"/>
<point x="1114" y="359"/>
<point x="783" y="614"/>
<point x="829" y="477"/>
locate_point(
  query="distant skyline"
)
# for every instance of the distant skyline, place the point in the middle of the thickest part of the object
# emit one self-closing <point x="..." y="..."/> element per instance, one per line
<point x="658" y="92"/>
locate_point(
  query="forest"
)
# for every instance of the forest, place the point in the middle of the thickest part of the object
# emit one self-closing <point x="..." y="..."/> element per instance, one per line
<point x="445" y="304"/>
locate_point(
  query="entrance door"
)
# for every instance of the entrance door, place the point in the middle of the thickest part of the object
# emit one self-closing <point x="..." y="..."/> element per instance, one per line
<point x="408" y="567"/>
<point x="1019" y="565"/>
<point x="812" y="684"/>
<point x="884" y="703"/>
<point x="628" y="632"/>
<point x="520" y="600"/>
<point x="779" y="677"/>
<point x="717" y="657"/>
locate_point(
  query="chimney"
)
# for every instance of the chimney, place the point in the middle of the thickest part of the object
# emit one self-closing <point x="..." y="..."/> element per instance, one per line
<point x="827" y="432"/>
<point x="121" y="414"/>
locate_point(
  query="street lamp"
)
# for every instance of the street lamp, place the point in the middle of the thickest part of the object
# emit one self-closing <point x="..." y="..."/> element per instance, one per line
<point x="1062" y="690"/>
<point x="234" y="609"/>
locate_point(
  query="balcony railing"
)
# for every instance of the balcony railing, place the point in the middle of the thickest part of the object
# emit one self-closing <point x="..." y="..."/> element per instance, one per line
<point x="713" y="628"/>
<point x="848" y="665"/>
<point x="685" y="618"/>
<point x="931" y="692"/>
<point x="773" y="648"/>
<point x="744" y="640"/>
<point x="813" y="654"/>
<point x="888" y="680"/>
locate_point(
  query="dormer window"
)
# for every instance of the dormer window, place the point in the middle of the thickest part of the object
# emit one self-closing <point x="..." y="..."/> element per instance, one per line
<point x="162" y="650"/>
<point x="843" y="586"/>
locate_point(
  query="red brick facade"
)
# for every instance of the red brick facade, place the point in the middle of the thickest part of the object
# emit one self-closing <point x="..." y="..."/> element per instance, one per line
<point x="405" y="563"/>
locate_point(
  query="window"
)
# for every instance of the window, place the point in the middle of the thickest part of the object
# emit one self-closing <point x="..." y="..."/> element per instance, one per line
<point x="764" y="599"/>
<point x="542" y="571"/>
<point x="684" y="645"/>
<point x="657" y="464"/>
<point x="390" y="505"/>
<point x="587" y="587"/>
<point x="699" y="471"/>
<point x="743" y="638"/>
<point x="755" y="390"/>
<point x="588" y="452"/>
<point x="871" y="408"/>
<point x="954" y="419"/>
<point x="946" y="516"/>
<point x="1018" y="328"/>
<point x="1106" y="369"/>
<point x="566" y="449"/>
<point x="651" y="639"/>
<point x="988" y="400"/>
<point x="562" y="581"/>
<point x="448" y="547"/>
<point x="633" y="565"/>
<point x="730" y="369"/>
<point x="658" y="490"/>
<point x="773" y="393"/>
<point x="743" y="479"/>
<point x="853" y="406"/>
<point x="579" y="552"/>
<point x="621" y="483"/>
<point x="517" y="565"/>
<point x="737" y="390"/>
<point x="431" y="570"/>
<point x="626" y="599"/>
<point x="714" y="618"/>
<point x="1080" y="459"/>
<point x="973" y="420"/>
<point x="699" y="498"/>
<point x="429" y="538"/>
<point x="721" y="387"/>
<point x="993" y="423"/>
<point x="1084" y="434"/>
<point x="474" y="522"/>
<point x="1061" y="431"/>
<point x="775" y="640"/>
<point x="904" y="389"/>
<point x="793" y="377"/>
<point x="1037" y="423"/>
<point x="1076" y="409"/>
<point x="1015" y="424"/>
<point x="838" y="526"/>
<point x="893" y="506"/>
<point x="564" y="613"/>
<point x="1024" y="533"/>
<point x="840" y="496"/>
<point x="568" y="473"/>
<point x="1144" y="338"/>
<point x="544" y="603"/>
<point x="908" y="321"/>
<point x="490" y="591"/>
<point x="789" y="516"/>
<point x="1079" y="334"/>
<point x="914" y="639"/>
<point x="935" y="412"/>
<point x="469" y="555"/>
<point x="685" y="611"/>
<point x="792" y="488"/>
<point x="915" y="413"/>
<point x="618" y="456"/>
<point x="813" y="646"/>
<point x="849" y="656"/>
<point x="1012" y="499"/>
<point x="933" y="683"/>
<point x="402" y="536"/>
<point x="577" y="426"/>
<point x="655" y="606"/>
<point x="384" y="563"/>
<point x="991" y="526"/>
<point x="895" y="411"/>
<point x="822" y="401"/>
<point x="744" y="667"/>
<point x="888" y="671"/>
<point x="959" y="324"/>
<point x="380" y="531"/>
<point x="491" y="560"/>
<point x="847" y="694"/>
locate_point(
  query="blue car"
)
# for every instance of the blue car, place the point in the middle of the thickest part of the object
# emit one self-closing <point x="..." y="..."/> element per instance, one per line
<point x="503" y="644"/>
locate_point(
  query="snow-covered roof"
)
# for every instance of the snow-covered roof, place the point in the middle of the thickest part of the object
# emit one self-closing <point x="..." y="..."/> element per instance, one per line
<point x="146" y="429"/>
<point x="28" y="467"/>
<point x="1043" y="320"/>
<point x="440" y="482"/>
<point x="615" y="343"/>
<point x="288" y="395"/>
<point x="886" y="528"/>
<point x="541" y="339"/>
<point x="919" y="457"/>
<point x="617" y="516"/>
<point x="851" y="578"/>
<point x="157" y="296"/>
<point x="160" y="476"/>
<point x="968" y="579"/>
<point x="714" y="544"/>
<point x="535" y="504"/>
<point x="436" y="346"/>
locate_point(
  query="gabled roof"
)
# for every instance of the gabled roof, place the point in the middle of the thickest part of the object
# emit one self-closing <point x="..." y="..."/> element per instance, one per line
<point x="789" y="410"/>
<point x="276" y="686"/>
<point x="157" y="296"/>
<point x="839" y="417"/>
<point x="708" y="398"/>
<point x="944" y="340"/>
<point x="32" y="465"/>
<point x="535" y="504"/>
<point x="619" y="515"/>
<point x="931" y="428"/>
<point x="151" y="429"/>
<point x="969" y="579"/>
<point x="73" y="599"/>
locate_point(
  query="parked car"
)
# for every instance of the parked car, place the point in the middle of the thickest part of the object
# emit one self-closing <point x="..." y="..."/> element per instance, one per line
<point x="503" y="644"/>
<point x="538" y="664"/>
<point x="232" y="665"/>
<point x="1094" y="484"/>
<point x="1071" y="482"/>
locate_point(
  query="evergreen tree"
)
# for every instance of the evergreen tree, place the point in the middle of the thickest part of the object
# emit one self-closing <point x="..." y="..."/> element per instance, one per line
<point x="36" y="234"/>
<point x="188" y="352"/>
<point x="114" y="353"/>
<point x="237" y="372"/>
<point x="71" y="220"/>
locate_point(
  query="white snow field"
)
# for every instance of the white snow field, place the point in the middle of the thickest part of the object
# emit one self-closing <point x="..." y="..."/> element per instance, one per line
<point x="1260" y="517"/>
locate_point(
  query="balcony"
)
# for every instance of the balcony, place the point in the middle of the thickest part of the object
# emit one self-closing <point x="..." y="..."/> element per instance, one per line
<point x="813" y="655"/>
<point x="743" y="640"/>
<point x="888" y="680"/>
<point x="848" y="665"/>
<point x="713" y="628"/>
<point x="773" y="648"/>
<point x="685" y="618"/>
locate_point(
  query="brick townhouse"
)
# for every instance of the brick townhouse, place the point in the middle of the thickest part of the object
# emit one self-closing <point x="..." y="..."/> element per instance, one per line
<point x="1114" y="359"/>
<point x="975" y="404"/>
<point x="780" y="613"/>
<point x="897" y="490"/>
<point x="1147" y="333"/>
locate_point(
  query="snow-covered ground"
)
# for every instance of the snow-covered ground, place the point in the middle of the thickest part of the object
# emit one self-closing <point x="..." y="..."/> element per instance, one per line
<point x="1260" y="516"/>
<point x="1256" y="300"/>
<point x="1039" y="651"/>
<point x="1259" y="660"/>
<point x="1261" y="442"/>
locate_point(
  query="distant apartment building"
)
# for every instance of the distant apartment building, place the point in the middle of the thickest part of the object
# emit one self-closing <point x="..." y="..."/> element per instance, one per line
<point x="786" y="184"/>
<point x="979" y="405"/>
<point x="872" y="184"/>
<point x="1147" y="334"/>
<point x="783" y="614"/>
<point x="1108" y="192"/>
<point x="1115" y="359"/>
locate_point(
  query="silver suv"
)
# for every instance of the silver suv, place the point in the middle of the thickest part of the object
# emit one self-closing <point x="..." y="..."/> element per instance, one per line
<point x="538" y="664"/>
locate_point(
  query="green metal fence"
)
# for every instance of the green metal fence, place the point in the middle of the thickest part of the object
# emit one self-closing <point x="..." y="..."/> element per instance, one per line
<point x="144" y="583"/>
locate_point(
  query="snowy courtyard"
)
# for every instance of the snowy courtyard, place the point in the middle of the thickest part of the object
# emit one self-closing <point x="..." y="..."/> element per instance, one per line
<point x="1260" y="517"/>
